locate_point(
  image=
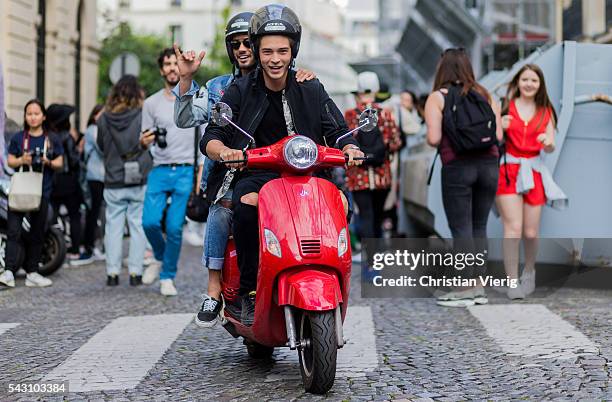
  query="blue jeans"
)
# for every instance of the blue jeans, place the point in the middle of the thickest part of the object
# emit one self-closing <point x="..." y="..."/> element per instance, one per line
<point x="163" y="182"/>
<point x="218" y="228"/>
<point x="122" y="203"/>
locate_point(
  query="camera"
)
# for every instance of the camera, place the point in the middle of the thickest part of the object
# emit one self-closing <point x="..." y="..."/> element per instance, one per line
<point x="160" y="136"/>
<point x="37" y="159"/>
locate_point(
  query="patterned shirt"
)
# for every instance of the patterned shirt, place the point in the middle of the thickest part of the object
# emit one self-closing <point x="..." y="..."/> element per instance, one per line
<point x="367" y="177"/>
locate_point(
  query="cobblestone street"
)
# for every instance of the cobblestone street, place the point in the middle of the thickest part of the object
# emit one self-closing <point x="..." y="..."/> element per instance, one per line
<point x="133" y="344"/>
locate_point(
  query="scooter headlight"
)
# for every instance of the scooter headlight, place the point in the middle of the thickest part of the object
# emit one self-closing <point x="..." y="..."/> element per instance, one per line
<point x="272" y="244"/>
<point x="301" y="152"/>
<point x="342" y="242"/>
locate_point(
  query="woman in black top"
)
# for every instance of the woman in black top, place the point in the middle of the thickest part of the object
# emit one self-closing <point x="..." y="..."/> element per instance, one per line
<point x="32" y="139"/>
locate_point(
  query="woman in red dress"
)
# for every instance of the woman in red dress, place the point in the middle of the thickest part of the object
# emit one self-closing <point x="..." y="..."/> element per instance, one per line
<point x="529" y="122"/>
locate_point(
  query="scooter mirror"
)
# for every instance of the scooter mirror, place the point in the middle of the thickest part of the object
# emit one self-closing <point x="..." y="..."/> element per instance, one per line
<point x="221" y="114"/>
<point x="368" y="119"/>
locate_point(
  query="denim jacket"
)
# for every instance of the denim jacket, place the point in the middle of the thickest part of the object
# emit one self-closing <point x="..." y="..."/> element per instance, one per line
<point x="191" y="109"/>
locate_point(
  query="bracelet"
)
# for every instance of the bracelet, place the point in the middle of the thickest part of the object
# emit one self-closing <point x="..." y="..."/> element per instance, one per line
<point x="351" y="146"/>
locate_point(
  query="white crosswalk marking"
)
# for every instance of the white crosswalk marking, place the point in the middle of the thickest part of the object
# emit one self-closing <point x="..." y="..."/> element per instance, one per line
<point x="120" y="355"/>
<point x="5" y="326"/>
<point x="532" y="330"/>
<point x="356" y="358"/>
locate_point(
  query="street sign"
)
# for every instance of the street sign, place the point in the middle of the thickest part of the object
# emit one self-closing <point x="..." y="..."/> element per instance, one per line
<point x="125" y="63"/>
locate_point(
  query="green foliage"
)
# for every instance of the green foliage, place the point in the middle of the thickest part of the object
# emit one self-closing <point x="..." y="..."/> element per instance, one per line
<point x="147" y="48"/>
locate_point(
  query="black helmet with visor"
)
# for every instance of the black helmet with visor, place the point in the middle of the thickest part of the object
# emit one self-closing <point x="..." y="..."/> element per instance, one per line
<point x="238" y="24"/>
<point x="275" y="19"/>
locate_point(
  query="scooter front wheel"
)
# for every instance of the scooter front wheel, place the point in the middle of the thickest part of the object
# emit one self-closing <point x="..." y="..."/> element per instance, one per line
<point x="318" y="351"/>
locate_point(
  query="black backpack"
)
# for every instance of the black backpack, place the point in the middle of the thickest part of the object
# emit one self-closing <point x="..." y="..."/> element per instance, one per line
<point x="372" y="145"/>
<point x="468" y="122"/>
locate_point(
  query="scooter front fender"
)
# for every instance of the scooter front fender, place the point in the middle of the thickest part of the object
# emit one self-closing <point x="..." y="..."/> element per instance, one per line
<point x="310" y="289"/>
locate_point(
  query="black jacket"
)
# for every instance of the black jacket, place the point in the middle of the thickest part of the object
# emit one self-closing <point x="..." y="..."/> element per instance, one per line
<point x="314" y="115"/>
<point x="66" y="181"/>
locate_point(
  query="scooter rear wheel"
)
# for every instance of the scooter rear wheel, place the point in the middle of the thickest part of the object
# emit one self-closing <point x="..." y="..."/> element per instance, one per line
<point x="318" y="351"/>
<point x="53" y="253"/>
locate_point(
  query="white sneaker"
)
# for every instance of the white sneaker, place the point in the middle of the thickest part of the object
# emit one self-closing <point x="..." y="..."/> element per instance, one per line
<point x="480" y="296"/>
<point x="149" y="258"/>
<point x="194" y="233"/>
<point x="98" y="254"/>
<point x="457" y="298"/>
<point x="7" y="279"/>
<point x="151" y="274"/>
<point x="36" y="280"/>
<point x="193" y="239"/>
<point x="516" y="293"/>
<point x="528" y="282"/>
<point x="167" y="287"/>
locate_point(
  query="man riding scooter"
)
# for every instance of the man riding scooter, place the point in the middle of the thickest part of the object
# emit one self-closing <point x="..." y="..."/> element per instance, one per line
<point x="271" y="104"/>
<point x="192" y="110"/>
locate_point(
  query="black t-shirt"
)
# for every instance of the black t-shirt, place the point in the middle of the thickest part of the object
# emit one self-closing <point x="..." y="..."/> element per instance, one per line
<point x="272" y="127"/>
<point x="54" y="149"/>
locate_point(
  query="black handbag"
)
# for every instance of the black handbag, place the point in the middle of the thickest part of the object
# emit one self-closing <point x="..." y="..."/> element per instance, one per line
<point x="198" y="205"/>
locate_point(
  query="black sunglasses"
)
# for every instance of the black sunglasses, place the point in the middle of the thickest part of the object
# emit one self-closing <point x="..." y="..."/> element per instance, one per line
<point x="235" y="44"/>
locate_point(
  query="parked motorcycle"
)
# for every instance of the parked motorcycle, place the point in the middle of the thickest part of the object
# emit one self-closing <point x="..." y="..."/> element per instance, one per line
<point x="54" y="248"/>
<point x="305" y="256"/>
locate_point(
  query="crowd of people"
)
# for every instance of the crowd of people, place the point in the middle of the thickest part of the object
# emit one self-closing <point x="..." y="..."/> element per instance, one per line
<point x="145" y="158"/>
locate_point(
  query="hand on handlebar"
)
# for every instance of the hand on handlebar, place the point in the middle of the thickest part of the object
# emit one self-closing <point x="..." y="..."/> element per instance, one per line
<point x="353" y="153"/>
<point x="228" y="154"/>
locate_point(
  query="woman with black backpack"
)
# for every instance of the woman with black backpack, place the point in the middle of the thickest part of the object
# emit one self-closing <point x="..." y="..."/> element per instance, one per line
<point x="469" y="153"/>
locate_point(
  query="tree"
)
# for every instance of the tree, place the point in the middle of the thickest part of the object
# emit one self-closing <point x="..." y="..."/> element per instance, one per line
<point x="147" y="48"/>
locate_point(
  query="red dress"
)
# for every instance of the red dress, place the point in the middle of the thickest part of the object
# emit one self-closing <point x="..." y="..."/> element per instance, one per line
<point x="521" y="142"/>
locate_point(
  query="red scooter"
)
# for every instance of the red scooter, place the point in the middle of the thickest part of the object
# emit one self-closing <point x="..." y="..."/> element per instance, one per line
<point x="304" y="256"/>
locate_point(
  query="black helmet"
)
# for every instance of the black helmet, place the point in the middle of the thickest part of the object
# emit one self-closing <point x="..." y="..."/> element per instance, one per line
<point x="238" y="24"/>
<point x="275" y="19"/>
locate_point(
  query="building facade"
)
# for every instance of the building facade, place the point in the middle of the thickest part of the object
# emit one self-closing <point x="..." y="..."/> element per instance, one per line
<point x="49" y="51"/>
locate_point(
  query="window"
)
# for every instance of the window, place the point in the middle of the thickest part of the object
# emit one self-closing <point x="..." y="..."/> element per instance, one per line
<point x="40" y="51"/>
<point x="176" y="3"/>
<point x="77" y="67"/>
<point x="176" y="33"/>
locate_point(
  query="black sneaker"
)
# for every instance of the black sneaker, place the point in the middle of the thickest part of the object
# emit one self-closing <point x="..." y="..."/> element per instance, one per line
<point x="248" y="309"/>
<point x="135" y="280"/>
<point x="209" y="312"/>
<point x="112" y="280"/>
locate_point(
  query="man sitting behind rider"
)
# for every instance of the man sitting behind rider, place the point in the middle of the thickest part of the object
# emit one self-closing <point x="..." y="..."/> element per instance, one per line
<point x="191" y="109"/>
<point x="270" y="104"/>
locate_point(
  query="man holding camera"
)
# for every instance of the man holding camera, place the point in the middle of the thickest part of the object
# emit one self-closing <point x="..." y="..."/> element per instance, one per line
<point x="172" y="177"/>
